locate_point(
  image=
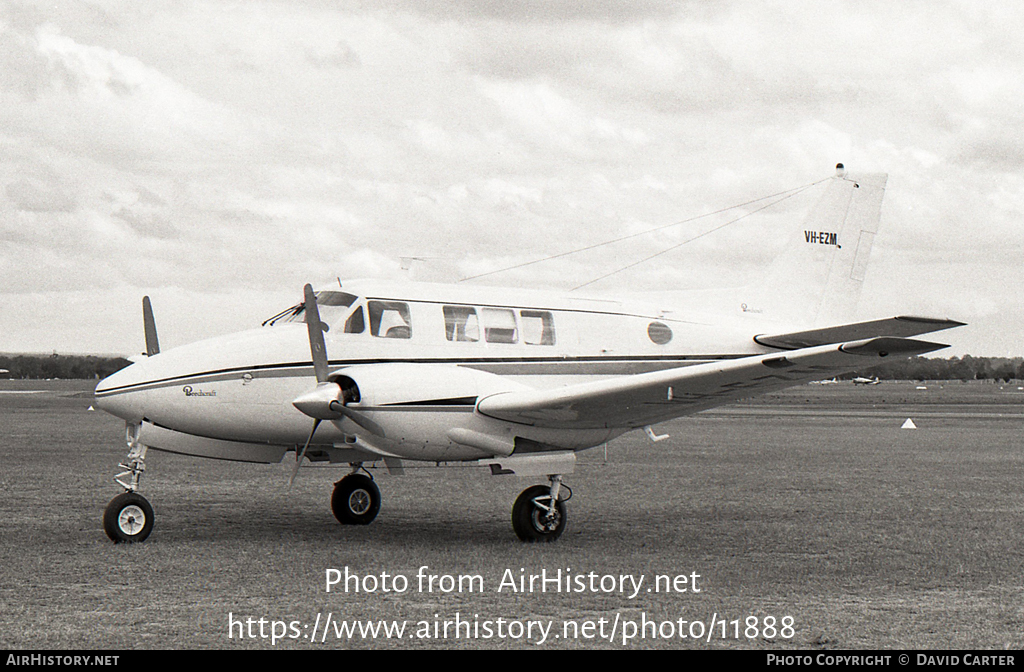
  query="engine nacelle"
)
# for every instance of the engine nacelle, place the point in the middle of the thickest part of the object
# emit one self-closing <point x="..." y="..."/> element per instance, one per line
<point x="381" y="385"/>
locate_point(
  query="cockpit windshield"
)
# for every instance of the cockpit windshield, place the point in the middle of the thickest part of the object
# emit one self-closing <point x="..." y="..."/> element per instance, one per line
<point x="332" y="306"/>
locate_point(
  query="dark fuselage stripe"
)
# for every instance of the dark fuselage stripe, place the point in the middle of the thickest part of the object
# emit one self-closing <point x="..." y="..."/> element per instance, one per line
<point x="524" y="365"/>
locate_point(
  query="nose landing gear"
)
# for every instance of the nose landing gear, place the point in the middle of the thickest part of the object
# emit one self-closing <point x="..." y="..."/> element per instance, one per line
<point x="129" y="516"/>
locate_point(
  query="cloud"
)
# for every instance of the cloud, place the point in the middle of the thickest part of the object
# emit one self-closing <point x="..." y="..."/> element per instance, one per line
<point x="551" y="119"/>
<point x="544" y="11"/>
<point x="341" y="55"/>
<point x="38" y="196"/>
<point x="127" y="105"/>
<point x="202" y="145"/>
<point x="25" y="71"/>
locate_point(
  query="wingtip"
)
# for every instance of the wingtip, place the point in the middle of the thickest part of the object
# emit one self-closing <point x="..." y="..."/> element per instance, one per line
<point x="944" y="322"/>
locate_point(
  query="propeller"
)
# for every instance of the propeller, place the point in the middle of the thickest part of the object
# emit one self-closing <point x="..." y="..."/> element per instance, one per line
<point x="152" y="343"/>
<point x="300" y="455"/>
<point x="326" y="401"/>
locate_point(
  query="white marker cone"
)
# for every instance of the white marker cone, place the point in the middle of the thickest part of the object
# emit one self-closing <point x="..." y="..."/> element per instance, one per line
<point x="90" y="409"/>
<point x="909" y="424"/>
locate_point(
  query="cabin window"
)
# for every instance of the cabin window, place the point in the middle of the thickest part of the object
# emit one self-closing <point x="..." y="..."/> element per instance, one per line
<point x="538" y="327"/>
<point x="356" y="323"/>
<point x="389" y="319"/>
<point x="461" y="324"/>
<point x="659" y="333"/>
<point x="499" y="325"/>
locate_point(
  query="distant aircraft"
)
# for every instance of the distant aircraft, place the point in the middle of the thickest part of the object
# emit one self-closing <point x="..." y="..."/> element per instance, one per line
<point x="512" y="380"/>
<point x="860" y="380"/>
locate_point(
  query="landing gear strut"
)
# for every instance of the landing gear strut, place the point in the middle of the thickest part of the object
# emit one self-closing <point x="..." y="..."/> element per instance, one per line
<point x="539" y="512"/>
<point x="356" y="500"/>
<point x="129" y="517"/>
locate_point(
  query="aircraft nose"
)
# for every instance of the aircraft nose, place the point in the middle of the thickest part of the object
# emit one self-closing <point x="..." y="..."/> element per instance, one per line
<point x="118" y="395"/>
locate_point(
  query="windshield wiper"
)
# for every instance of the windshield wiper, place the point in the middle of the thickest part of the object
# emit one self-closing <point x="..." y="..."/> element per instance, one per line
<point x="287" y="312"/>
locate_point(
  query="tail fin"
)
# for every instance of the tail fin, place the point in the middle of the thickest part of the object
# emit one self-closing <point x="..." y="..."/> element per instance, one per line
<point x="817" y="280"/>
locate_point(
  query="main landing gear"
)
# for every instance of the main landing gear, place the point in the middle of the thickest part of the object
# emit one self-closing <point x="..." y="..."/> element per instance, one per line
<point x="129" y="517"/>
<point x="355" y="500"/>
<point x="539" y="512"/>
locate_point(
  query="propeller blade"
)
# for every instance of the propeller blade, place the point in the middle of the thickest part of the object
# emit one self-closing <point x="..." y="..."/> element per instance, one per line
<point x="152" y="344"/>
<point x="358" y="418"/>
<point x="315" y="328"/>
<point x="301" y="454"/>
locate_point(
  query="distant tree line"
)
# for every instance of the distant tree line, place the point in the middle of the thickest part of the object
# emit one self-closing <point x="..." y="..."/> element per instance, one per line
<point x="953" y="368"/>
<point x="60" y="366"/>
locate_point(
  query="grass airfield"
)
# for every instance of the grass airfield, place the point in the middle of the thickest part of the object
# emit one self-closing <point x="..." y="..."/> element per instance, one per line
<point x="811" y="503"/>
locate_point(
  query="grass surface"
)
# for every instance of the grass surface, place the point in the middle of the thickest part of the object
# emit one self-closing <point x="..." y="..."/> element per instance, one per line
<point x="812" y="503"/>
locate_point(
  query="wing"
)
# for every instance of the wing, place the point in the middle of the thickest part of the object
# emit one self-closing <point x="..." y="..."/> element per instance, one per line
<point x="648" y="398"/>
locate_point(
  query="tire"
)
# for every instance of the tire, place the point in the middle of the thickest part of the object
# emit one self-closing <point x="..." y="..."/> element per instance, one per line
<point x="355" y="500"/>
<point x="531" y="523"/>
<point x="128" y="518"/>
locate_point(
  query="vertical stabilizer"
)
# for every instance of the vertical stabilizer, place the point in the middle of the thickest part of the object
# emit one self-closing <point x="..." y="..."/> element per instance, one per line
<point x="817" y="279"/>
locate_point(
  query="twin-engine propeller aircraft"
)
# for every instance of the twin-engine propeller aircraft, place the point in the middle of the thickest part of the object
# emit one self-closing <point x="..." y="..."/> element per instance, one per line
<point x="514" y="380"/>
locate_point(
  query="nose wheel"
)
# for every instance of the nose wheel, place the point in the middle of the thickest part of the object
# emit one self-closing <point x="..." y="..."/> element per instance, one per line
<point x="128" y="518"/>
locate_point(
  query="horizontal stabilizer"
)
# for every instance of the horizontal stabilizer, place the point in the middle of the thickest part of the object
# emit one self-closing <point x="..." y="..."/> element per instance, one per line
<point x="900" y="327"/>
<point x="647" y="398"/>
<point x="883" y="347"/>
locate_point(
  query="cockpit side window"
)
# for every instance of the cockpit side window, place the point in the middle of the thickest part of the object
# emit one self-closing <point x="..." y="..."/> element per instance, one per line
<point x="538" y="327"/>
<point x="389" y="319"/>
<point x="499" y="325"/>
<point x="330" y="298"/>
<point x="356" y="323"/>
<point x="461" y="324"/>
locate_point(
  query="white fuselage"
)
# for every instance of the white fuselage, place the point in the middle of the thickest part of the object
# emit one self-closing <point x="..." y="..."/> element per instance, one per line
<point x="422" y="356"/>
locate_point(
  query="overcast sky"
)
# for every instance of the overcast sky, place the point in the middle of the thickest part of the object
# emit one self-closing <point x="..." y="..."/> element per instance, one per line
<point x="218" y="155"/>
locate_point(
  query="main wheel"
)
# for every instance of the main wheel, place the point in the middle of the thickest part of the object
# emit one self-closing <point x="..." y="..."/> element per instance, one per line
<point x="128" y="518"/>
<point x="356" y="500"/>
<point x="538" y="521"/>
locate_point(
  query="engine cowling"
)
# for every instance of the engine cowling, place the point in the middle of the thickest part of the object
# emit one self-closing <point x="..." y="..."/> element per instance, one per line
<point x="376" y="385"/>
